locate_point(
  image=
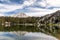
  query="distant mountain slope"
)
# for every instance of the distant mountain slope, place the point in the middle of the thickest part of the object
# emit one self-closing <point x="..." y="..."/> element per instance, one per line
<point x="54" y="17"/>
<point x="20" y="15"/>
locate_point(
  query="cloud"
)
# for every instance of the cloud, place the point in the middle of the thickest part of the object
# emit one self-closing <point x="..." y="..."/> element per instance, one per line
<point x="30" y="7"/>
<point x="7" y="8"/>
<point x="40" y="11"/>
<point x="2" y="14"/>
<point x="29" y="2"/>
<point x="42" y="3"/>
<point x="12" y="7"/>
<point x="53" y="2"/>
<point x="49" y="3"/>
<point x="50" y="7"/>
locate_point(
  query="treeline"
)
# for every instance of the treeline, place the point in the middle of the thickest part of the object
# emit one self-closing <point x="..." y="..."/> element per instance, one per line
<point x="18" y="20"/>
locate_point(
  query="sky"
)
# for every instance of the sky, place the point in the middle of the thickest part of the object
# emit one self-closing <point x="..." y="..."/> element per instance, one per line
<point x="29" y="7"/>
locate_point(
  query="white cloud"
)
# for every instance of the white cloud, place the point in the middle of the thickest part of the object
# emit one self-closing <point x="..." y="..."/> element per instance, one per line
<point x="40" y="11"/>
<point x="12" y="7"/>
<point x="36" y="13"/>
<point x="33" y="11"/>
<point x="1" y="14"/>
<point x="29" y="2"/>
<point x="49" y="3"/>
<point x="7" y="8"/>
<point x="42" y="3"/>
<point x="53" y="2"/>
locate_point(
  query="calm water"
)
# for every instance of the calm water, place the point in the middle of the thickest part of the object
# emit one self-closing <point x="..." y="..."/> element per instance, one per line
<point x="37" y="36"/>
<point x="26" y="36"/>
<point x="8" y="36"/>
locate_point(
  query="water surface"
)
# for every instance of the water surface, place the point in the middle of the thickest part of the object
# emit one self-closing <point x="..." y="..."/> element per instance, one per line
<point x="25" y="36"/>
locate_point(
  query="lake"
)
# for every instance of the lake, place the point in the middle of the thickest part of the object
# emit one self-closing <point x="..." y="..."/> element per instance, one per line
<point x="25" y="36"/>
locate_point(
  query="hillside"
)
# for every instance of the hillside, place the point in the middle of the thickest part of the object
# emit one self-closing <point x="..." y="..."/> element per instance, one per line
<point x="54" y="17"/>
<point x="50" y="20"/>
<point x="50" y="24"/>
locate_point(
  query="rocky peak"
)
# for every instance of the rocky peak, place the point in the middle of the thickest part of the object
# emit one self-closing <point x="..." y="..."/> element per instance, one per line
<point x="20" y="15"/>
<point x="57" y="13"/>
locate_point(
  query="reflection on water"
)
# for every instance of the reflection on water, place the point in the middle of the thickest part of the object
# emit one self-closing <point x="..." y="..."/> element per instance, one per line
<point x="8" y="36"/>
<point x="25" y="36"/>
<point x="37" y="36"/>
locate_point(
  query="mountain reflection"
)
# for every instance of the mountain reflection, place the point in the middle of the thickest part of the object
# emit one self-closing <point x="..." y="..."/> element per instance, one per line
<point x="25" y="36"/>
<point x="8" y="36"/>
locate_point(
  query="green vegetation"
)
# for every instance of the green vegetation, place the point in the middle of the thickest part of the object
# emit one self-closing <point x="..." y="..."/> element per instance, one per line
<point x="15" y="23"/>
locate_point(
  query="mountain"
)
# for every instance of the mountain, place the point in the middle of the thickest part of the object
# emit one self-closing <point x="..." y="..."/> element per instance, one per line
<point x="20" y="15"/>
<point x="50" y="23"/>
<point x="53" y="17"/>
